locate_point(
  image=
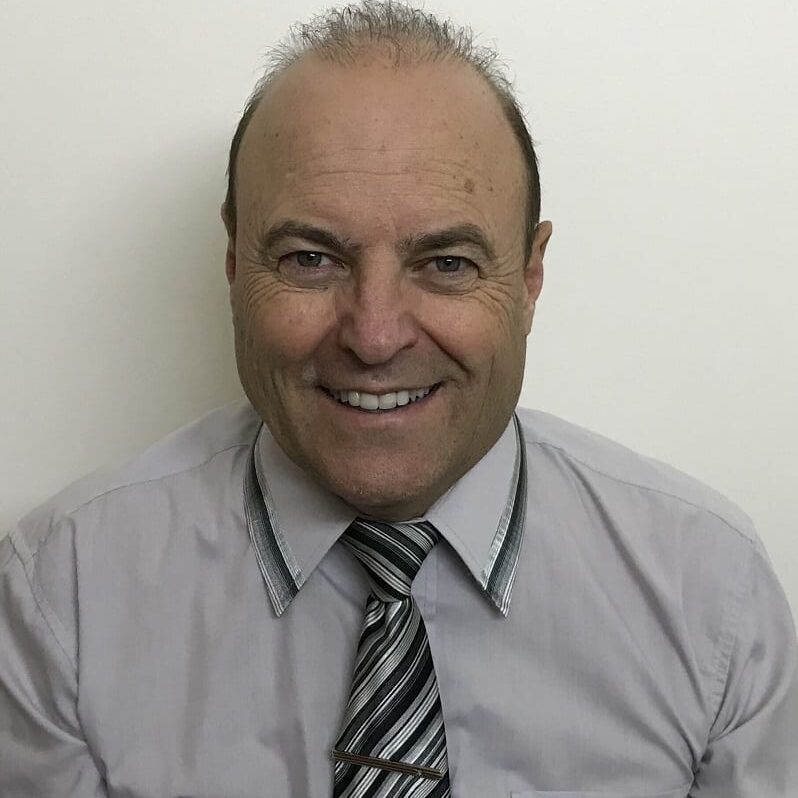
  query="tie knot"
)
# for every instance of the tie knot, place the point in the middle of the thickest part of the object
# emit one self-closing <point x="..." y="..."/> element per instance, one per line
<point x="390" y="553"/>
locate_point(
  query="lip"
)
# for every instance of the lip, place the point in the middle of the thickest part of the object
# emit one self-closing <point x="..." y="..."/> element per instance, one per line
<point x="381" y="389"/>
<point x="355" y="415"/>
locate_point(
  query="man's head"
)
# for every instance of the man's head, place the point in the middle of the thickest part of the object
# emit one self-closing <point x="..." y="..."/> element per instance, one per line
<point x="384" y="245"/>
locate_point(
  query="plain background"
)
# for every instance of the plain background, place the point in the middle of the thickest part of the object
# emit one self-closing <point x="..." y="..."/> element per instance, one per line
<point x="668" y="137"/>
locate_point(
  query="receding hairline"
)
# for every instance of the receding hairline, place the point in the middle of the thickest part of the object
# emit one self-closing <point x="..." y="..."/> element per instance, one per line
<point x="368" y="59"/>
<point x="358" y="35"/>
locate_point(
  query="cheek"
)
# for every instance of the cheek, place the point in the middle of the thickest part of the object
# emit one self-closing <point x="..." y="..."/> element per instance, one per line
<point x="476" y="331"/>
<point x="286" y="329"/>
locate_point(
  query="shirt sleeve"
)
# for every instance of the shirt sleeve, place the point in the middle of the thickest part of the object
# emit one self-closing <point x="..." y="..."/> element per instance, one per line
<point x="42" y="750"/>
<point x="754" y="739"/>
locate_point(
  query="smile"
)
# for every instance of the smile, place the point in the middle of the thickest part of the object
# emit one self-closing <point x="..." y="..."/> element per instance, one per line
<point x="384" y="401"/>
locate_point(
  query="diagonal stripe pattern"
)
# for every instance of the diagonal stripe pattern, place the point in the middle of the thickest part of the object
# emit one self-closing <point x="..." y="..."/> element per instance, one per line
<point x="394" y="710"/>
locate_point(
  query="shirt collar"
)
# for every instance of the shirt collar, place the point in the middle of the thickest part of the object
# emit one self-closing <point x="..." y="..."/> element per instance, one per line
<point x="293" y="522"/>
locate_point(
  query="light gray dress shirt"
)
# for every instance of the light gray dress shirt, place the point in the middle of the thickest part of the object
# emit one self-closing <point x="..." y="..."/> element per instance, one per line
<point x="152" y="644"/>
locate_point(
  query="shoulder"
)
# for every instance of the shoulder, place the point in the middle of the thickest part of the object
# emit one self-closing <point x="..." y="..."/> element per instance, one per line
<point x="617" y="475"/>
<point x="107" y="524"/>
<point x="678" y="561"/>
<point x="194" y="446"/>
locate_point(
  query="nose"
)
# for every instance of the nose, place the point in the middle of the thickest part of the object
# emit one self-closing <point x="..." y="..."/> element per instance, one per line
<point x="376" y="320"/>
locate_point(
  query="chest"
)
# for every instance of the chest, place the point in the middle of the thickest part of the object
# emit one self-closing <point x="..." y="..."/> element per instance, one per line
<point x="558" y="697"/>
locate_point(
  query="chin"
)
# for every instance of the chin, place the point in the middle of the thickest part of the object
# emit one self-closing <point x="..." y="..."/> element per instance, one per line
<point x="391" y="498"/>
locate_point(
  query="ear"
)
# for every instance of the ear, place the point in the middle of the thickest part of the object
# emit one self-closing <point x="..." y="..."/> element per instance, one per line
<point x="230" y="255"/>
<point x="533" y="271"/>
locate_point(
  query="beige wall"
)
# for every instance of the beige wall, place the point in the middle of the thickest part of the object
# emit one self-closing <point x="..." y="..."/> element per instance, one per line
<point x="667" y="132"/>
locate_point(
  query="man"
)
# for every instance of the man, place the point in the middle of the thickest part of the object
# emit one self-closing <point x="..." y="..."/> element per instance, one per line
<point x="547" y="613"/>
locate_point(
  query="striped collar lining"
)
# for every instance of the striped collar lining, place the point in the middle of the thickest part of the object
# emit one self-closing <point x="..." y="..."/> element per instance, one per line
<point x="284" y="578"/>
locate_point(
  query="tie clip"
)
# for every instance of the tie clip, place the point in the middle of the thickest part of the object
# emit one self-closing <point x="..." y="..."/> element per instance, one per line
<point x="388" y="764"/>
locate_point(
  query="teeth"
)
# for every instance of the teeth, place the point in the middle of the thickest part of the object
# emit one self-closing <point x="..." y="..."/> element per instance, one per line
<point x="368" y="401"/>
<point x="385" y="401"/>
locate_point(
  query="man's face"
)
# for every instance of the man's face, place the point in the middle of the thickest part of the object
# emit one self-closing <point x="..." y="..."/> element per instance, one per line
<point x="379" y="257"/>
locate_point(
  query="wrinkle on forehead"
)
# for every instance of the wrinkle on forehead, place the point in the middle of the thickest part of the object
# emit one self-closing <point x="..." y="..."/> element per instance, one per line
<point x="342" y="135"/>
<point x="310" y="150"/>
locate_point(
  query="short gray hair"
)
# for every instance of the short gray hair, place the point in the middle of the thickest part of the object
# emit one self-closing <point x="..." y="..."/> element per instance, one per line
<point x="409" y="35"/>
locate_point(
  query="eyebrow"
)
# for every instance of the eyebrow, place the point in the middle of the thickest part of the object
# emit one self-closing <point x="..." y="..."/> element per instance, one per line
<point x="309" y="232"/>
<point x="457" y="235"/>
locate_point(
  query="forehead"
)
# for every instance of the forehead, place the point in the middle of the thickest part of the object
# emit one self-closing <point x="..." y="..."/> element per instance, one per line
<point x="426" y="138"/>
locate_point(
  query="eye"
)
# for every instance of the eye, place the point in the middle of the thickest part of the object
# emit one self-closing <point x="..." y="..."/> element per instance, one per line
<point x="307" y="259"/>
<point x="309" y="268"/>
<point x="450" y="264"/>
<point x="451" y="269"/>
<point x="448" y="273"/>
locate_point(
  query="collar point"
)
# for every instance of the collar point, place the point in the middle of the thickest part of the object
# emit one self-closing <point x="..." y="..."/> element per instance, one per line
<point x="502" y="604"/>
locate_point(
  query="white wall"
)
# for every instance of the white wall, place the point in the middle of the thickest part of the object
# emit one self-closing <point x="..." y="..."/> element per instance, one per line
<point x="668" y="137"/>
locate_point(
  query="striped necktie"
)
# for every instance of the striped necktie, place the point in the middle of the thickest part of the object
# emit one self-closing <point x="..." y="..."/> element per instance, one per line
<point x="393" y="742"/>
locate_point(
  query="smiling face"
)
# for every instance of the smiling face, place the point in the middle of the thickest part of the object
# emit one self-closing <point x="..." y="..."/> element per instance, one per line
<point x="381" y="299"/>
